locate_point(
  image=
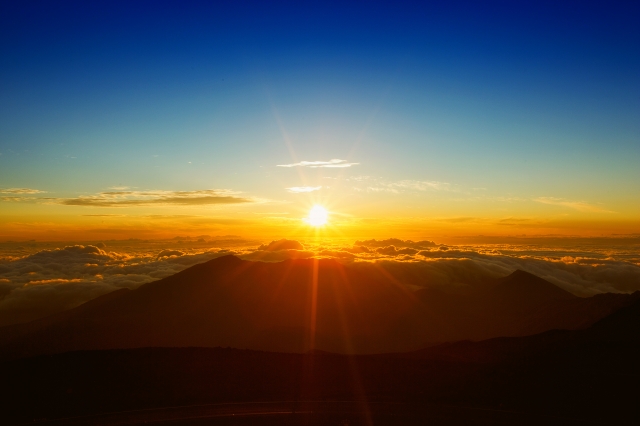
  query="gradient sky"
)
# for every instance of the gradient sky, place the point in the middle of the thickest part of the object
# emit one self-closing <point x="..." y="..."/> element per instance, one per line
<point x="155" y="119"/>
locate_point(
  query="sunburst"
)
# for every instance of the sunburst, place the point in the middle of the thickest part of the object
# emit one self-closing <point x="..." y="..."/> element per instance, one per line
<point x="318" y="216"/>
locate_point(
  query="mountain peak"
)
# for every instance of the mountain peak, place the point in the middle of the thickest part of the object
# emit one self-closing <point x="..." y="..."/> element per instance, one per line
<point x="519" y="273"/>
<point x="227" y="258"/>
<point x="527" y="285"/>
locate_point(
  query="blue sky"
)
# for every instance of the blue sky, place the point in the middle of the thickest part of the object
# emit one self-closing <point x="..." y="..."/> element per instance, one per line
<point x="499" y="100"/>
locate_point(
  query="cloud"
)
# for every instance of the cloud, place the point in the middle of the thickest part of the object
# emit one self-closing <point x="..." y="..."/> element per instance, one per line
<point x="170" y="253"/>
<point x="334" y="163"/>
<point x="576" y="205"/>
<point x="357" y="249"/>
<point x="26" y="199"/>
<point x="300" y="189"/>
<point x="421" y="185"/>
<point x="21" y="191"/>
<point x="337" y="254"/>
<point x="52" y="280"/>
<point x="15" y="199"/>
<point x="584" y="273"/>
<point x="458" y="219"/>
<point x="150" y="198"/>
<point x="393" y="251"/>
<point x="283" y="244"/>
<point x="396" y="242"/>
<point x="55" y="281"/>
<point x="578" y="275"/>
<point x="372" y="184"/>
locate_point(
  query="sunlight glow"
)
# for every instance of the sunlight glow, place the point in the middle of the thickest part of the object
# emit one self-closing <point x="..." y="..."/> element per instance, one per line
<point x="318" y="216"/>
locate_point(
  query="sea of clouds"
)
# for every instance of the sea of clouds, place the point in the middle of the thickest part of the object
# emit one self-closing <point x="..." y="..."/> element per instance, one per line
<point x="40" y="279"/>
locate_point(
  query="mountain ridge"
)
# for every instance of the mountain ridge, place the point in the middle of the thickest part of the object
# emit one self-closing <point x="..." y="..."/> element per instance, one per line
<point x="269" y="306"/>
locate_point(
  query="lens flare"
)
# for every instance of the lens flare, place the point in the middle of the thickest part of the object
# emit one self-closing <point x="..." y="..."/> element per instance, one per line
<point x="318" y="216"/>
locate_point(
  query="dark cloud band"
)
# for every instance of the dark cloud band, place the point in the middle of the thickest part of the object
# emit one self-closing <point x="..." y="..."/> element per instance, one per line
<point x="151" y="198"/>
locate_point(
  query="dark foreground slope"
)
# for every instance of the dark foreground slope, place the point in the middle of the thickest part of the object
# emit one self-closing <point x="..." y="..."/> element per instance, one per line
<point x="296" y="305"/>
<point x="562" y="378"/>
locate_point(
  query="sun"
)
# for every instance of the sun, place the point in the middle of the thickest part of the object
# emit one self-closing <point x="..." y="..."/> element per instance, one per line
<point x="318" y="216"/>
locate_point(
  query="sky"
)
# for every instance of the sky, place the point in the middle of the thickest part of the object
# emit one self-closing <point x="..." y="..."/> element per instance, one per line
<point x="417" y="120"/>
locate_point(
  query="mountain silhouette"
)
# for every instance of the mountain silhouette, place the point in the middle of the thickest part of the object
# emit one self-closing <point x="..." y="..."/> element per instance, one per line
<point x="525" y="288"/>
<point x="301" y="305"/>
<point x="560" y="377"/>
<point x="621" y="326"/>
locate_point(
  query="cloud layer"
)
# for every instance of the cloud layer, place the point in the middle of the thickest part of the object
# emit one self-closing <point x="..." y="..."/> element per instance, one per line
<point x="51" y="280"/>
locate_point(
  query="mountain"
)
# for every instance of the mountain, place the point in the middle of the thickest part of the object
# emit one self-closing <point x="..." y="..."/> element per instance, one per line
<point x="621" y="326"/>
<point x="523" y="290"/>
<point x="580" y="377"/>
<point x="519" y="304"/>
<point x="297" y="305"/>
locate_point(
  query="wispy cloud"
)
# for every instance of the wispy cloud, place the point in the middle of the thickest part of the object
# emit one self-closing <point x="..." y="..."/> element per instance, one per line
<point x="381" y="185"/>
<point x="300" y="189"/>
<point x="151" y="198"/>
<point x="334" y="163"/>
<point x="21" y="191"/>
<point x="576" y="205"/>
<point x="459" y="219"/>
<point x="421" y="185"/>
<point x="22" y="198"/>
